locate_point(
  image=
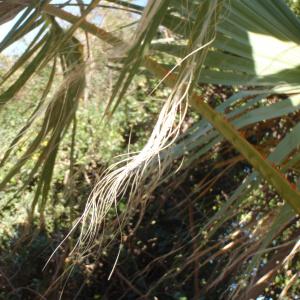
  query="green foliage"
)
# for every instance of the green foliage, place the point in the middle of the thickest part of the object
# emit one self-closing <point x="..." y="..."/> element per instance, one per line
<point x="212" y="224"/>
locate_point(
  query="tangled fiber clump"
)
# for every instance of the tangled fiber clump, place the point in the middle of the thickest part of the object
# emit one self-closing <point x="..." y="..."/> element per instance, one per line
<point x="139" y="173"/>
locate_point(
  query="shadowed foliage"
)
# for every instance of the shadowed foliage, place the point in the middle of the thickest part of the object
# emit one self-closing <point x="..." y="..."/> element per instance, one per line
<point x="203" y="200"/>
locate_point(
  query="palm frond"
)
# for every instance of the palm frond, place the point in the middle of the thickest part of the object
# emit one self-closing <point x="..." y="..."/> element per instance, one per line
<point x="213" y="42"/>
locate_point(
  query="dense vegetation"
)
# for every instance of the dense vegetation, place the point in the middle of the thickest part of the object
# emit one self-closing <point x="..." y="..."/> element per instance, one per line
<point x="180" y="185"/>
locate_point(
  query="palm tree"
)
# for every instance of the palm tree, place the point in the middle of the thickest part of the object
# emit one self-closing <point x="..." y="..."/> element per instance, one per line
<point x="251" y="46"/>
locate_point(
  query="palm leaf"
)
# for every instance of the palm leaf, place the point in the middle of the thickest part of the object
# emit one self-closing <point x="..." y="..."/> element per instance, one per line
<point x="237" y="55"/>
